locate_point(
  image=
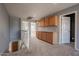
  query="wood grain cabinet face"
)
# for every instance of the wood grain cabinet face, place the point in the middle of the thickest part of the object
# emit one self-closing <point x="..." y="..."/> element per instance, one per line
<point x="50" y="37"/>
<point x="44" y="36"/>
<point x="41" y="22"/>
<point x="39" y="35"/>
<point x="53" y="21"/>
<point x="49" y="21"/>
<point x="46" y="22"/>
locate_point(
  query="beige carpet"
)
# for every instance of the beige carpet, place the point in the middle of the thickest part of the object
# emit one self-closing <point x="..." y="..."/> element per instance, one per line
<point x="40" y="48"/>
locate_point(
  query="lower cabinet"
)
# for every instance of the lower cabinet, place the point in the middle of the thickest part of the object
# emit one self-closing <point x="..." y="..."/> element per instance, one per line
<point x="45" y="36"/>
<point x="49" y="37"/>
<point x="38" y="35"/>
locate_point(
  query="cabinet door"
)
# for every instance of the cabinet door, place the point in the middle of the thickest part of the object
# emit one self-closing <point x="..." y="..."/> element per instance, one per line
<point x="44" y="36"/>
<point x="50" y="37"/>
<point x="46" y="22"/>
<point x="37" y="34"/>
<point x="42" y="22"/>
<point x="53" y="20"/>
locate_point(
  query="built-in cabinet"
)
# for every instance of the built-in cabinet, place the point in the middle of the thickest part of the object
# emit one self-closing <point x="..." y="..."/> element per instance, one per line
<point x="49" y="21"/>
<point x="46" y="22"/>
<point x="45" y="36"/>
<point x="49" y="37"/>
<point x="53" y="20"/>
<point x="41" y="22"/>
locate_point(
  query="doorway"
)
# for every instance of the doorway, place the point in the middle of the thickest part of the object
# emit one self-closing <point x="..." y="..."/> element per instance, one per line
<point x="65" y="27"/>
<point x="68" y="28"/>
<point x="72" y="27"/>
<point x="33" y="29"/>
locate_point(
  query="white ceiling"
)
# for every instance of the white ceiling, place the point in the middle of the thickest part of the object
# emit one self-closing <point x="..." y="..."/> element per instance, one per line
<point x="37" y="10"/>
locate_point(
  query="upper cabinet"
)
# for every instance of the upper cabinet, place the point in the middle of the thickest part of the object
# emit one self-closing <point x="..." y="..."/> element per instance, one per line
<point x="46" y="23"/>
<point x="49" y="21"/>
<point x="53" y="20"/>
<point x="41" y="22"/>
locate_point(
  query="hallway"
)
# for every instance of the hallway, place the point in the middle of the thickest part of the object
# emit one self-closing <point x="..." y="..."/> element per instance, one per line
<point x="40" y="48"/>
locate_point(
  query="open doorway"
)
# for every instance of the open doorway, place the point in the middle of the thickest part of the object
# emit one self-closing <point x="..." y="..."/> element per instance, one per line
<point x="68" y="29"/>
<point x="72" y="27"/>
<point x="33" y="29"/>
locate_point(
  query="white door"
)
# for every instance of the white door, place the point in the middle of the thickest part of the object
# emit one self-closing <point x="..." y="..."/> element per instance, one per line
<point x="65" y="29"/>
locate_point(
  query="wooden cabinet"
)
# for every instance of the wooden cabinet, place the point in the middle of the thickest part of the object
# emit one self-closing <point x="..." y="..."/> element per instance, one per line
<point x="53" y="20"/>
<point x="46" y="22"/>
<point x="41" y="22"/>
<point x="49" y="21"/>
<point x="39" y="35"/>
<point x="45" y="36"/>
<point x="50" y="37"/>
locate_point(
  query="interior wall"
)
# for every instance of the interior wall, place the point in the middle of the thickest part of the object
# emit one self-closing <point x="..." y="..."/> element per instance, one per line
<point x="4" y="29"/>
<point x="14" y="28"/>
<point x="68" y="10"/>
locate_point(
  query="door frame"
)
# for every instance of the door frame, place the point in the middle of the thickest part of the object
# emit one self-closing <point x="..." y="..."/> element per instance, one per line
<point x="60" y="35"/>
